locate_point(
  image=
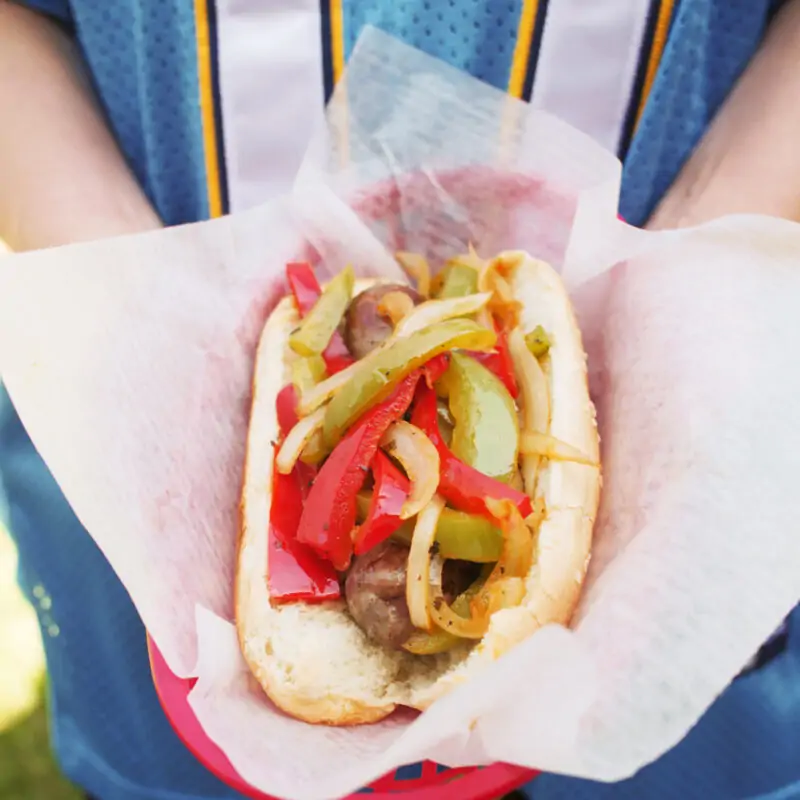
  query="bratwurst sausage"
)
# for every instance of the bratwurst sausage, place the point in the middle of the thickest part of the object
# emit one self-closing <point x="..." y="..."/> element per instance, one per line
<point x="365" y="327"/>
<point x="375" y="591"/>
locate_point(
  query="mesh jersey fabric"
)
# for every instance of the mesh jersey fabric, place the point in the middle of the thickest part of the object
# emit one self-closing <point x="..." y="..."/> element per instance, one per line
<point x="474" y="35"/>
<point x="108" y="730"/>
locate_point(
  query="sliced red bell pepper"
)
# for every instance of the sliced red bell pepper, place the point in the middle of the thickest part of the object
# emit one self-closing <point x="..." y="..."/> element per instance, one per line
<point x="306" y="475"/>
<point x="462" y="486"/>
<point x="287" y="408"/>
<point x="306" y="290"/>
<point x="506" y="364"/>
<point x="435" y="368"/>
<point x="329" y="513"/>
<point x="388" y="496"/>
<point x="304" y="285"/>
<point x="499" y="362"/>
<point x="337" y="357"/>
<point x="294" y="571"/>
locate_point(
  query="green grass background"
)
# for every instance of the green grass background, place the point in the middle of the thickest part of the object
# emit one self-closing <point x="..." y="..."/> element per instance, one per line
<point x="27" y="768"/>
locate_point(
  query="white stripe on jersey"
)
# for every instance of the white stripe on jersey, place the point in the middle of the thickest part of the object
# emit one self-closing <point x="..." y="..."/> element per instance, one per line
<point x="270" y="77"/>
<point x="587" y="64"/>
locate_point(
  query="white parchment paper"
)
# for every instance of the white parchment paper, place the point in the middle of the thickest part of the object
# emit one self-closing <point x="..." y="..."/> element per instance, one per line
<point x="129" y="362"/>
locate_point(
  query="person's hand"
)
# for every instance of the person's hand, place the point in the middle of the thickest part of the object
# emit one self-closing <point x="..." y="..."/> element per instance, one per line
<point x="749" y="159"/>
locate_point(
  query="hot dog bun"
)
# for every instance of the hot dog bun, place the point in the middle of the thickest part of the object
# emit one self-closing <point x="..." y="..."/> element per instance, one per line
<point x="313" y="661"/>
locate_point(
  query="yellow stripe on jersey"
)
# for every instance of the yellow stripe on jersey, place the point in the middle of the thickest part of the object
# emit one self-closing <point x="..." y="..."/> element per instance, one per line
<point x="210" y="144"/>
<point x="337" y="39"/>
<point x="522" y="49"/>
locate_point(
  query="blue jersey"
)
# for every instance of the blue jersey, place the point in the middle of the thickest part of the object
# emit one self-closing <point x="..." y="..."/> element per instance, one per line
<point x="171" y="75"/>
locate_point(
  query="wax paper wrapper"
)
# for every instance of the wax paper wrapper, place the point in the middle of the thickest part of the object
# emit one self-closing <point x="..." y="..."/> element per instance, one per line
<point x="130" y="360"/>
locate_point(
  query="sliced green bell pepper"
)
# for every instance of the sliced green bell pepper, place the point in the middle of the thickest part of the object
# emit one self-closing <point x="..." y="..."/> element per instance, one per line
<point x="307" y="371"/>
<point x="376" y="375"/>
<point x="538" y="341"/>
<point x="468" y="537"/>
<point x="456" y="280"/>
<point x="320" y="323"/>
<point x="486" y="432"/>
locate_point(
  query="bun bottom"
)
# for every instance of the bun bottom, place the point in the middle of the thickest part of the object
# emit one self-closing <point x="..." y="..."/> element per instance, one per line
<point x="312" y="660"/>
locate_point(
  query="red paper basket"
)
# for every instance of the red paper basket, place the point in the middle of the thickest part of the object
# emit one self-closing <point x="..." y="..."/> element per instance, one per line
<point x="426" y="782"/>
